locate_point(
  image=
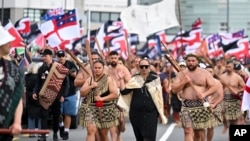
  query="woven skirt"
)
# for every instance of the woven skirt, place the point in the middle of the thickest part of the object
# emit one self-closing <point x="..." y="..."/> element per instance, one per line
<point x="194" y="115"/>
<point x="102" y="117"/>
<point x="232" y="107"/>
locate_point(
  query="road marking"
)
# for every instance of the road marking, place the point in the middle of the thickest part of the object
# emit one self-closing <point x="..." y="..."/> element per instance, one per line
<point x="168" y="132"/>
<point x="15" y="138"/>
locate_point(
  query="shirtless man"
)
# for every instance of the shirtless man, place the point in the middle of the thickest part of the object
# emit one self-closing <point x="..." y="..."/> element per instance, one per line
<point x="117" y="72"/>
<point x="215" y="102"/>
<point x="82" y="76"/>
<point x="196" y="84"/>
<point x="135" y="70"/>
<point x="219" y="69"/>
<point x="232" y="84"/>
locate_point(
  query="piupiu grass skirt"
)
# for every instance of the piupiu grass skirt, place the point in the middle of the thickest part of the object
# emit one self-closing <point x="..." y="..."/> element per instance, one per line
<point x="102" y="117"/>
<point x="194" y="115"/>
<point x="232" y="107"/>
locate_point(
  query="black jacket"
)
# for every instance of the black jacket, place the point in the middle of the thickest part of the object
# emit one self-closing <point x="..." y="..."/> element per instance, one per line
<point x="41" y="77"/>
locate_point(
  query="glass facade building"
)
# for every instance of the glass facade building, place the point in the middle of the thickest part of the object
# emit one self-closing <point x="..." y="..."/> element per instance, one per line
<point x="216" y="15"/>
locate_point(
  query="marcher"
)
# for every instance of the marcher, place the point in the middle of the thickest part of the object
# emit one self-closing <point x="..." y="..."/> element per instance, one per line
<point x="195" y="117"/>
<point x="166" y="78"/>
<point x="233" y="84"/>
<point x="117" y="72"/>
<point x="33" y="106"/>
<point x="82" y="76"/>
<point x="68" y="106"/>
<point x="146" y="102"/>
<point x="11" y="85"/>
<point x="219" y="69"/>
<point x="98" y="113"/>
<point x="216" y="103"/>
<point x="50" y="97"/>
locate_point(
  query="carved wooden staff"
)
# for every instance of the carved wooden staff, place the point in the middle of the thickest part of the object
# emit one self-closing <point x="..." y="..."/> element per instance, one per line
<point x="25" y="131"/>
<point x="101" y="52"/>
<point x="76" y="60"/>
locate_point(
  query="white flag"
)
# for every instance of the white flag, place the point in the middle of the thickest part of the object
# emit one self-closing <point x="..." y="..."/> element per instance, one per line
<point x="64" y="28"/>
<point x="146" y="20"/>
<point x="246" y="97"/>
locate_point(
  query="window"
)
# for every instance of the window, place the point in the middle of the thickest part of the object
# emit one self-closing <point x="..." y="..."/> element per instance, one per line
<point x="33" y="14"/>
<point x="95" y="16"/>
<point x="6" y="16"/>
<point x="101" y="17"/>
<point x="104" y="17"/>
<point x="114" y="16"/>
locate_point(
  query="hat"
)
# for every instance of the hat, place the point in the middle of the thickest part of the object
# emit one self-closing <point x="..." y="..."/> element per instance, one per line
<point x="60" y="53"/>
<point x="237" y="66"/>
<point x="46" y="52"/>
<point x="5" y="36"/>
<point x="202" y="65"/>
<point x="182" y="64"/>
<point x="168" y="64"/>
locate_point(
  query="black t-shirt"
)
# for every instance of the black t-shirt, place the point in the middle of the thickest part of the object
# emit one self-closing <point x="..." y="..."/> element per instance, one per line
<point x="72" y="67"/>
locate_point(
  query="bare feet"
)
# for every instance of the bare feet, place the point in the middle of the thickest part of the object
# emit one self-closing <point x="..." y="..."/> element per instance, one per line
<point x="178" y="124"/>
<point x="224" y="129"/>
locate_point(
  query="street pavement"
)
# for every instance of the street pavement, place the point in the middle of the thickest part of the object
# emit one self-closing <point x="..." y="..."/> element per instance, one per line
<point x="168" y="132"/>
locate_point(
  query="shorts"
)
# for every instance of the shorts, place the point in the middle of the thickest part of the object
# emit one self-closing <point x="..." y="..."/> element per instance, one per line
<point x="68" y="107"/>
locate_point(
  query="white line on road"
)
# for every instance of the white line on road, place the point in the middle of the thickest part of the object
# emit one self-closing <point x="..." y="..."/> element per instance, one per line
<point x="168" y="132"/>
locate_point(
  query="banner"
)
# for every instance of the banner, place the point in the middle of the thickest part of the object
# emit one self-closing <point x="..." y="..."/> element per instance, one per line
<point x="146" y="20"/>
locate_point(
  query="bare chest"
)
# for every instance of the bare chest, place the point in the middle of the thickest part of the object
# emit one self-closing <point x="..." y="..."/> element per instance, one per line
<point x="197" y="79"/>
<point x="230" y="81"/>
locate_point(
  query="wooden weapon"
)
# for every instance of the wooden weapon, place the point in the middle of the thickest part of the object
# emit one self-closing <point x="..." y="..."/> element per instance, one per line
<point x="25" y="131"/>
<point x="76" y="60"/>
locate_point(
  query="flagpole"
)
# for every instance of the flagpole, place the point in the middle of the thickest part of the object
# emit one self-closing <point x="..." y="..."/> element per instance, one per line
<point x="227" y="16"/>
<point x="88" y="23"/>
<point x="179" y="11"/>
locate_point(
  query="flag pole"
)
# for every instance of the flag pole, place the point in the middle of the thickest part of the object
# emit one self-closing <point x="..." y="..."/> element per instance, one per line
<point x="88" y="23"/>
<point x="179" y="14"/>
<point x="128" y="51"/>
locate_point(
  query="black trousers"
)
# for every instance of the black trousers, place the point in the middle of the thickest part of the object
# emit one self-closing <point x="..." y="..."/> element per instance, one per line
<point x="144" y="125"/>
<point x="6" y="137"/>
<point x="56" y="112"/>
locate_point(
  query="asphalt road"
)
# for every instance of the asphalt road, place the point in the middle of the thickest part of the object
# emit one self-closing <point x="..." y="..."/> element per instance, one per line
<point x="168" y="132"/>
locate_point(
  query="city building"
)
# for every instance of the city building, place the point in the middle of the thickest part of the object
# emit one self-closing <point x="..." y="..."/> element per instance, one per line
<point x="217" y="15"/>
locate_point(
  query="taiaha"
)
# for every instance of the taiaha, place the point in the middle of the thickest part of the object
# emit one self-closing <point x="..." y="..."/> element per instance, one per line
<point x="100" y="51"/>
<point x="88" y="50"/>
<point x="76" y="60"/>
<point x="25" y="131"/>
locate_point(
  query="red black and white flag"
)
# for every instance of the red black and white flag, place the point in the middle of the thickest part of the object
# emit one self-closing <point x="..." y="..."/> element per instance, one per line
<point x="23" y="25"/>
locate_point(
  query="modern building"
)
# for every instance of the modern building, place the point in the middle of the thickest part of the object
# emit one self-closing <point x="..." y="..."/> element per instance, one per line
<point x="217" y="15"/>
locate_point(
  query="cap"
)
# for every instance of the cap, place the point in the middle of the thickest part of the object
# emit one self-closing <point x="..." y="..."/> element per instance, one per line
<point x="46" y="52"/>
<point x="60" y="53"/>
<point x="237" y="66"/>
<point x="168" y="64"/>
<point x="202" y="65"/>
<point x="182" y="64"/>
<point x="5" y="36"/>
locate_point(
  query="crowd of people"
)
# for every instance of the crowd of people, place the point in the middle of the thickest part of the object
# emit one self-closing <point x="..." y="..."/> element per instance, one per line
<point x="198" y="95"/>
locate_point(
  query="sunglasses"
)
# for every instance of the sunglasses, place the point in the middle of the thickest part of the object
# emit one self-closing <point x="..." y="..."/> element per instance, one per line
<point x="144" y="66"/>
<point x="60" y="55"/>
